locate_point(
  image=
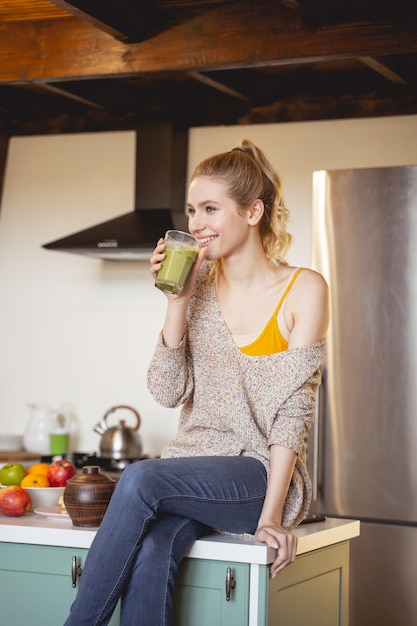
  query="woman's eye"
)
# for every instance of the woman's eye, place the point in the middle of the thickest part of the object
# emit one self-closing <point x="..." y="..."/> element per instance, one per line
<point x="190" y="211"/>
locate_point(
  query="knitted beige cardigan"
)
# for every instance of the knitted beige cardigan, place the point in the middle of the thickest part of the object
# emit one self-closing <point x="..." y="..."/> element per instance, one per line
<point x="235" y="404"/>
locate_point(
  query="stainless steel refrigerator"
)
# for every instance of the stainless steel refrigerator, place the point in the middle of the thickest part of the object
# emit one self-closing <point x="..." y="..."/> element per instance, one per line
<point x="363" y="448"/>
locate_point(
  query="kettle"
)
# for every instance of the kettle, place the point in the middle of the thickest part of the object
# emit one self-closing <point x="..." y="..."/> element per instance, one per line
<point x="121" y="441"/>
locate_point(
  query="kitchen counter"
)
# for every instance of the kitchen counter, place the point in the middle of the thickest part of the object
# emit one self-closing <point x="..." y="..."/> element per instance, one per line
<point x="40" y="530"/>
<point x="37" y="551"/>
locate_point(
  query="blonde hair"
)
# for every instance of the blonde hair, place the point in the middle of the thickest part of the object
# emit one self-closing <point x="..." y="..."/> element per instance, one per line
<point x="249" y="176"/>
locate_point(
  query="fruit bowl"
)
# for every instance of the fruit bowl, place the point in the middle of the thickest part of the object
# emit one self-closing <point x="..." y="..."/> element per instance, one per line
<point x="44" y="497"/>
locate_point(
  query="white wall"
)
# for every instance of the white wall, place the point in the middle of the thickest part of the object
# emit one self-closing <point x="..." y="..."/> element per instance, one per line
<point x="297" y="149"/>
<point x="73" y="330"/>
<point x="81" y="332"/>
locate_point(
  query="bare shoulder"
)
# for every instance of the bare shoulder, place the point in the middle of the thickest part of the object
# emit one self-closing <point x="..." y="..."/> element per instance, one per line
<point x="308" y="306"/>
<point x="311" y="280"/>
<point x="308" y="283"/>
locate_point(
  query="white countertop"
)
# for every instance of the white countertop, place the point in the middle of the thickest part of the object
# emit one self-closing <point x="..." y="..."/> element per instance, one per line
<point x="40" y="530"/>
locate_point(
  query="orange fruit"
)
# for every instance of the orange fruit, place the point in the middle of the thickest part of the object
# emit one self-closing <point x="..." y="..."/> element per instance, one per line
<point x="35" y="480"/>
<point x="38" y="468"/>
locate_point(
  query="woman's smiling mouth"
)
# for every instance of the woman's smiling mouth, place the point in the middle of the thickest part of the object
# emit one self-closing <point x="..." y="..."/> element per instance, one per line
<point x="204" y="240"/>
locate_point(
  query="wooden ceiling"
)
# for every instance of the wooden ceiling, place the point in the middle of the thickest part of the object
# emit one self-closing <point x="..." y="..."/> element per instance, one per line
<point x="101" y="64"/>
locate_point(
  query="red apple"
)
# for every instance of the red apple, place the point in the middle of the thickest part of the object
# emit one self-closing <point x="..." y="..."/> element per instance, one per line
<point x="14" y="501"/>
<point x="59" y="472"/>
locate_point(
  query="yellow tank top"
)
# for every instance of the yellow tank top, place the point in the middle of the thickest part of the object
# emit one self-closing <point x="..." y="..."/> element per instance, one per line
<point x="271" y="340"/>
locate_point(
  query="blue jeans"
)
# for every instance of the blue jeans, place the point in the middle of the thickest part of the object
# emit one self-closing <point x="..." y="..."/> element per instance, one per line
<point x="158" y="509"/>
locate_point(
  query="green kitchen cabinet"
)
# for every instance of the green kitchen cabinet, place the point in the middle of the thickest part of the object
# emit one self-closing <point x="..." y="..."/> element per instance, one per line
<point x="211" y="593"/>
<point x="313" y="591"/>
<point x="36" y="583"/>
<point x="37" y="588"/>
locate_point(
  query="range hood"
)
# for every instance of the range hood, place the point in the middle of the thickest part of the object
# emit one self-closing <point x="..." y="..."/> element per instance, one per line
<point x="161" y="163"/>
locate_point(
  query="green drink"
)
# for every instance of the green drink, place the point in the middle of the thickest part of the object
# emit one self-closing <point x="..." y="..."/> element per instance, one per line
<point x="175" y="269"/>
<point x="59" y="443"/>
<point x="180" y="253"/>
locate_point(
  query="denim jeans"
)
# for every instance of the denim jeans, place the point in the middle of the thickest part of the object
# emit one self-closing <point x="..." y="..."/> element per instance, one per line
<point x="158" y="509"/>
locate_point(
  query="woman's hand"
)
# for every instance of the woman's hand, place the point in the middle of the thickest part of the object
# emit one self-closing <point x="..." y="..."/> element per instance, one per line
<point x="283" y="541"/>
<point x="157" y="257"/>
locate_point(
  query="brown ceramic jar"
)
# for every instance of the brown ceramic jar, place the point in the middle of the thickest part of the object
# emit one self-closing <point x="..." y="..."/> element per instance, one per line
<point x="87" y="496"/>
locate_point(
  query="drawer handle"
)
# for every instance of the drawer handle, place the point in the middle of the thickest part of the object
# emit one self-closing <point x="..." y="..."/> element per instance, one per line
<point x="76" y="571"/>
<point x="230" y="583"/>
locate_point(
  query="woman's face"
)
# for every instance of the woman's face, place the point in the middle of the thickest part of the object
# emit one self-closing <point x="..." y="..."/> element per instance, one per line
<point x="214" y="218"/>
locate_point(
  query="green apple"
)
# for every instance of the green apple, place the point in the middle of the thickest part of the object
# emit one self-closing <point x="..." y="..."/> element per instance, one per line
<point x="12" y="474"/>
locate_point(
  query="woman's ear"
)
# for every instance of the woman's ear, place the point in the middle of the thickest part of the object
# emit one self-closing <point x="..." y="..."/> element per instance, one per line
<point x="255" y="212"/>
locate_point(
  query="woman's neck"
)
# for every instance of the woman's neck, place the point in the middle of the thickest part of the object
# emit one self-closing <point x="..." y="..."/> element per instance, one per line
<point x="246" y="272"/>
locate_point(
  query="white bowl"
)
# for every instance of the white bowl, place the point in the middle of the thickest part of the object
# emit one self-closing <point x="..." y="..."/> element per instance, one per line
<point x="44" y="497"/>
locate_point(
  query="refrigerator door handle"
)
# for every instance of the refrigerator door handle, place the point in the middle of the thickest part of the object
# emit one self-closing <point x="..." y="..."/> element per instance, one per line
<point x="317" y="461"/>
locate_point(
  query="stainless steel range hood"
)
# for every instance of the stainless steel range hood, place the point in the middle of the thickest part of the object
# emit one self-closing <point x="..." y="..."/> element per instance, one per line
<point x="161" y="162"/>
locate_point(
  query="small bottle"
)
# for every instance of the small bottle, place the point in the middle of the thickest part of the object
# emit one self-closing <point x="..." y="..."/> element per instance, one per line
<point x="59" y="435"/>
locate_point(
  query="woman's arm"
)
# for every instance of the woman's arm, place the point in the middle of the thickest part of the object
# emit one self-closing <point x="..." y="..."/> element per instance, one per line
<point x="174" y="325"/>
<point x="307" y="315"/>
<point x="269" y="529"/>
<point x="169" y="377"/>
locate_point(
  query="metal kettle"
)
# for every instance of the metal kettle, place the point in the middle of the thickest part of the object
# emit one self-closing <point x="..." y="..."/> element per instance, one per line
<point x="121" y="441"/>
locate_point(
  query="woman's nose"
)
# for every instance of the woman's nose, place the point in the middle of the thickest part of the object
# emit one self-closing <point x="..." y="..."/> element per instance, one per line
<point x="195" y="224"/>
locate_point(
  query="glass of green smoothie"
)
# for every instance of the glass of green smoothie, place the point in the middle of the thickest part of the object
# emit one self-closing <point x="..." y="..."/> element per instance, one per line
<point x="181" y="251"/>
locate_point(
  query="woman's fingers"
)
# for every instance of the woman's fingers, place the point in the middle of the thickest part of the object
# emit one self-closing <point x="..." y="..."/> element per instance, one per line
<point x="284" y="542"/>
<point x="285" y="556"/>
<point x="157" y="257"/>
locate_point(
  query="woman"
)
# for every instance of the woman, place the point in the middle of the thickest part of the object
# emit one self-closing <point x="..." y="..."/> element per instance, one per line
<point x="240" y="351"/>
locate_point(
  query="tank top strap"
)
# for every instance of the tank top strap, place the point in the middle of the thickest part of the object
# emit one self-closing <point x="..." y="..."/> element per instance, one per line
<point x="287" y="288"/>
<point x="271" y="339"/>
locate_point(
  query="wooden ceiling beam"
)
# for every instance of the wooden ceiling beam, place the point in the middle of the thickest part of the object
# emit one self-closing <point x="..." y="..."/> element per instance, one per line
<point x="215" y="84"/>
<point x="384" y="70"/>
<point x="123" y="19"/>
<point x="234" y="36"/>
<point x="70" y="96"/>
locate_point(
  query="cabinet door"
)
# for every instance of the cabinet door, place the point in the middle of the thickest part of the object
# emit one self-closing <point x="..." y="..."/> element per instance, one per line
<point x="36" y="584"/>
<point x="200" y="594"/>
<point x="313" y="591"/>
